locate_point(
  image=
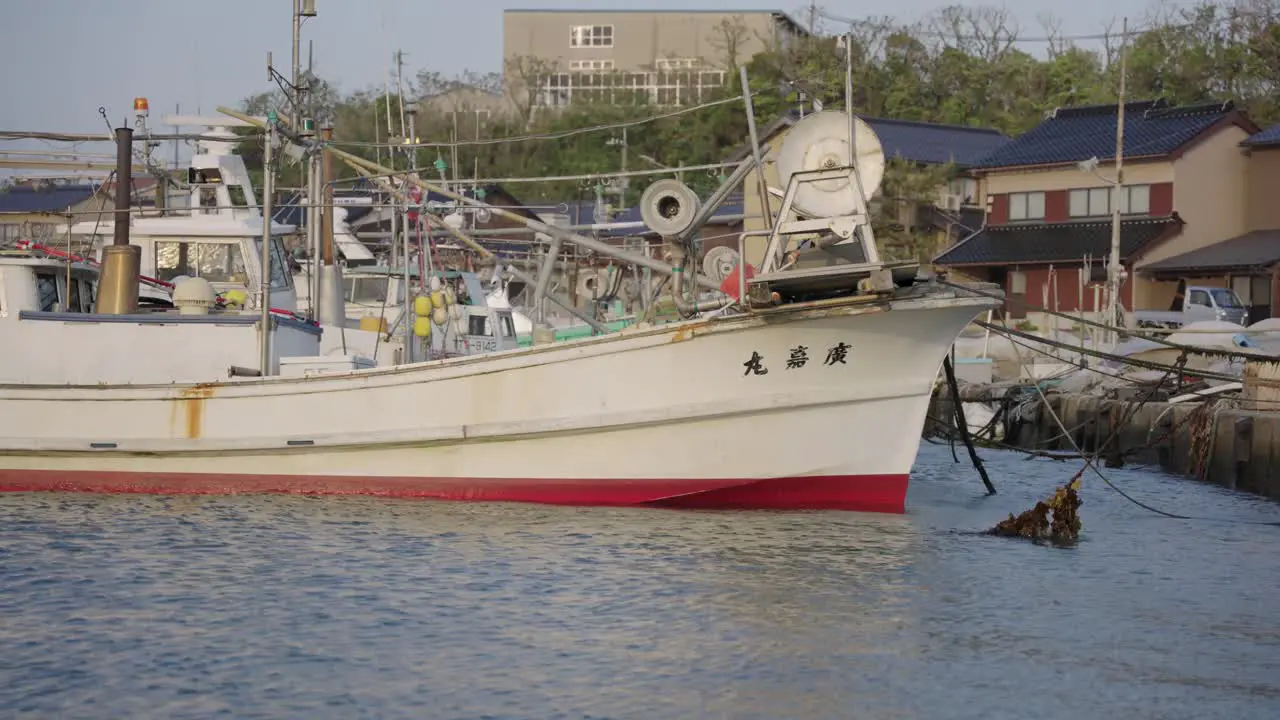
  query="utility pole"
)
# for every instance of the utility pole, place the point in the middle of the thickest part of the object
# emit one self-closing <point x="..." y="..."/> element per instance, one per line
<point x="400" y="88"/>
<point x="626" y="181"/>
<point x="1113" y="266"/>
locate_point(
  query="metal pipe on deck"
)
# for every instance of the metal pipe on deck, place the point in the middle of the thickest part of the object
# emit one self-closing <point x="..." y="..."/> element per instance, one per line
<point x="264" y="299"/>
<point x="717" y="199"/>
<point x="592" y="244"/>
<point x="581" y="240"/>
<point x="544" y="277"/>
<point x="370" y="168"/>
<point x="762" y="183"/>
<point x="121" y="261"/>
<point x="486" y="254"/>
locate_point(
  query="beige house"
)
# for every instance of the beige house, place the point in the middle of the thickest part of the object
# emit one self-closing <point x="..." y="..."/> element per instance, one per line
<point x="1248" y="262"/>
<point x="1048" y="198"/>
<point x="616" y="55"/>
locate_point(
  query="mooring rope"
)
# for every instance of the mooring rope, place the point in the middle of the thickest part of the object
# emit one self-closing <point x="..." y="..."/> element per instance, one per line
<point x="1090" y="464"/>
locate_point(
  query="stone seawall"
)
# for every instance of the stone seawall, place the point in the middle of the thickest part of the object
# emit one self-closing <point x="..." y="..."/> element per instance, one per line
<point x="1209" y="441"/>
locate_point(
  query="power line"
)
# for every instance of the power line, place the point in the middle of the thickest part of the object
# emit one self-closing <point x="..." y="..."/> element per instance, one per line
<point x="555" y="135"/>
<point x="256" y="134"/>
<point x="564" y="178"/>
<point x="103" y="137"/>
<point x="1011" y="36"/>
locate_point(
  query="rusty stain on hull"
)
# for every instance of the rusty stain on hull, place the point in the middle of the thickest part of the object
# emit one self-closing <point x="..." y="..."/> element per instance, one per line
<point x="190" y="406"/>
<point x="687" y="332"/>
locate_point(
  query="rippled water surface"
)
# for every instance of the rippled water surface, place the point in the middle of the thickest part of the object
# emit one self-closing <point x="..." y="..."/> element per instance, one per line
<point x="344" y="608"/>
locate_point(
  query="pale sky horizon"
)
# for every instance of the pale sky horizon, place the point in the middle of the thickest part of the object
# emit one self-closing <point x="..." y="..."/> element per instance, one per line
<point x="68" y="57"/>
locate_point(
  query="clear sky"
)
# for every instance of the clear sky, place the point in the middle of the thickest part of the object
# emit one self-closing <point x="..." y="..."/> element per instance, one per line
<point x="65" y="58"/>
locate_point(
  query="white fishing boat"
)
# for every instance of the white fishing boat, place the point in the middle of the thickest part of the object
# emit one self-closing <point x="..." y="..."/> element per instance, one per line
<point x="808" y="391"/>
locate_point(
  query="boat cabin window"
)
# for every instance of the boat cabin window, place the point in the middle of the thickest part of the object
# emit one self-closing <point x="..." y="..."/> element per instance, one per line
<point x="281" y="278"/>
<point x="88" y="295"/>
<point x="53" y="294"/>
<point x="508" y="325"/>
<point x="73" y="297"/>
<point x="208" y="200"/>
<point x="478" y="325"/>
<point x="213" y="261"/>
<point x="47" y="294"/>
<point x="365" y="289"/>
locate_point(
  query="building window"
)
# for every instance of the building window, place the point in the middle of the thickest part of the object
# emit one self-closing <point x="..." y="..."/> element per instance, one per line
<point x="664" y="88"/>
<point x="582" y="36"/>
<point x="556" y="91"/>
<point x="587" y="65"/>
<point x="964" y="190"/>
<point x="676" y="64"/>
<point x="1026" y="206"/>
<point x="1136" y="200"/>
<point x="1089" y="202"/>
<point x="1096" y="202"/>
<point x="10" y="233"/>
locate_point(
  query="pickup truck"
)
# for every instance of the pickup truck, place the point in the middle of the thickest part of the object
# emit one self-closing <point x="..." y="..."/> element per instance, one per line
<point x="1195" y="303"/>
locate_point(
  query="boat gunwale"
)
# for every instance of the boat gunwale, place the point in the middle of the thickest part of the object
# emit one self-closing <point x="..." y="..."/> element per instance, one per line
<point x="500" y="361"/>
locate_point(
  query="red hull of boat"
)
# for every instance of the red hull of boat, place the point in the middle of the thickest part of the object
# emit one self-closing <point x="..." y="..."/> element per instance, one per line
<point x="867" y="493"/>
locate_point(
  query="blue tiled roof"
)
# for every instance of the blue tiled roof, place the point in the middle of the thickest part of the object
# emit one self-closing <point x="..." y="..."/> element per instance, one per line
<point x="911" y="140"/>
<point x="56" y="199"/>
<point x="1270" y="136"/>
<point x="934" y="144"/>
<point x="1151" y="128"/>
<point x="1055" y="242"/>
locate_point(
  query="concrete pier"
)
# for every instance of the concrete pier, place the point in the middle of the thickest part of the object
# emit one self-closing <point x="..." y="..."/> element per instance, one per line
<point x="1209" y="441"/>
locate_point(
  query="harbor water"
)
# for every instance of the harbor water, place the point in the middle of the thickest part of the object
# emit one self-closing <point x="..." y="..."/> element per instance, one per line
<point x="247" y="607"/>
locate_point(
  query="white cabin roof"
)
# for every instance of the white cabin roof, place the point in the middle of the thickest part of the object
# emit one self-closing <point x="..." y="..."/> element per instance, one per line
<point x="186" y="226"/>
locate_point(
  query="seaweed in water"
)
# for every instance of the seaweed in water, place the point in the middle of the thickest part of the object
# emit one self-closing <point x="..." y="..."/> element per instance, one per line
<point x="1056" y="519"/>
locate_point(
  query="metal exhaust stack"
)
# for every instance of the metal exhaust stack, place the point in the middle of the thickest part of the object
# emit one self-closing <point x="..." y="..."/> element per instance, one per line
<point x="121" y="262"/>
<point x="332" y="310"/>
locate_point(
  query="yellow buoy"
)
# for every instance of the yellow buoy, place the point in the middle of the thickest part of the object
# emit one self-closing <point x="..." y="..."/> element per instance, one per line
<point x="437" y="298"/>
<point x="373" y="323"/>
<point x="422" y="327"/>
<point x="422" y="306"/>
